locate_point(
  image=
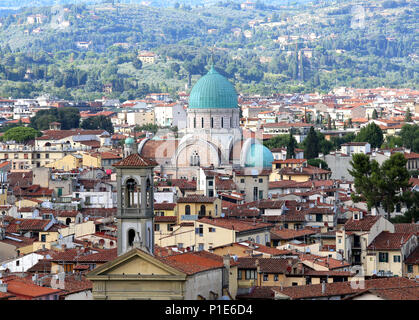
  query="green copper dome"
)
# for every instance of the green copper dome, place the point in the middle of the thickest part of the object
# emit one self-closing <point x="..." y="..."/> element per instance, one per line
<point x="259" y="156"/>
<point x="213" y="91"/>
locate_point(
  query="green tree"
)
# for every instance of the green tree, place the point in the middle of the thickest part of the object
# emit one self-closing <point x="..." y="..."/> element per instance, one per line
<point x="69" y="118"/>
<point x="380" y="185"/>
<point x="394" y="178"/>
<point x="371" y="134"/>
<point x="408" y="116"/>
<point x="374" y="114"/>
<point x="311" y="145"/>
<point x="319" y="163"/>
<point x="98" y="122"/>
<point x="291" y="146"/>
<point x="410" y="136"/>
<point x="153" y="128"/>
<point x="279" y="141"/>
<point x="20" y="134"/>
<point x="366" y="175"/>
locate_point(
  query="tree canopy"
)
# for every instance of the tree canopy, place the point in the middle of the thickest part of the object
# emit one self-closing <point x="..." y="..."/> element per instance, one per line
<point x="69" y="118"/>
<point x="371" y="134"/>
<point x="380" y="185"/>
<point x="20" y="134"/>
<point x="98" y="122"/>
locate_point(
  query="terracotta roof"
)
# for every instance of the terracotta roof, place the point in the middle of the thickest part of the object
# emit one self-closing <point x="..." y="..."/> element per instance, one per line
<point x="406" y="228"/>
<point x="287" y="234"/>
<point x="43" y="265"/>
<point x="194" y="262"/>
<point x="135" y="160"/>
<point x="196" y="199"/>
<point x="267" y="265"/>
<point x="345" y="288"/>
<point x="103" y="256"/>
<point x="413" y="258"/>
<point x="172" y="219"/>
<point x="109" y="155"/>
<point x="164" y="206"/>
<point x="364" y="224"/>
<point x="389" y="241"/>
<point x="234" y="224"/>
<point x="28" y="290"/>
<point x="61" y="134"/>
<point x="72" y="284"/>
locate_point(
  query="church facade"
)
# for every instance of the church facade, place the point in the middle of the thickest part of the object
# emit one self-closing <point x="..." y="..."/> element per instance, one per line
<point x="212" y="137"/>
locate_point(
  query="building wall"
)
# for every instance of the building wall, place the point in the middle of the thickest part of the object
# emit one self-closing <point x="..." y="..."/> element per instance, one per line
<point x="21" y="264"/>
<point x="202" y="283"/>
<point x="139" y="290"/>
<point x="246" y="187"/>
<point x="82" y="295"/>
<point x="69" y="162"/>
<point x="90" y="161"/>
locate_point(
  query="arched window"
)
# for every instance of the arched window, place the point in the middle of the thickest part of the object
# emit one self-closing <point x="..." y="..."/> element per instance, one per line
<point x="194" y="123"/>
<point x="222" y="122"/>
<point x="131" y="236"/>
<point x="202" y="122"/>
<point x="231" y="122"/>
<point x="67" y="221"/>
<point x="131" y="190"/>
<point x="212" y="122"/>
<point x="187" y="210"/>
<point x="202" y="210"/>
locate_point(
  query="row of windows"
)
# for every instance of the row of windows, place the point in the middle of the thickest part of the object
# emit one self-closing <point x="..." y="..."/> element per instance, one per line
<point x="252" y="275"/>
<point x="212" y="122"/>
<point x="383" y="257"/>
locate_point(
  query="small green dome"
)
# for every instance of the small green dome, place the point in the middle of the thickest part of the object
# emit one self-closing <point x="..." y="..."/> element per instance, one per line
<point x="259" y="156"/>
<point x="129" y="140"/>
<point x="213" y="91"/>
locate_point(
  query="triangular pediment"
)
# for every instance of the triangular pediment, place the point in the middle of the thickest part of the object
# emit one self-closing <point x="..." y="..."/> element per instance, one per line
<point x="136" y="263"/>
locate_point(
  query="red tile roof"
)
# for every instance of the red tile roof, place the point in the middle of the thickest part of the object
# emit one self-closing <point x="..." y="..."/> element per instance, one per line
<point x="389" y="241"/>
<point x="196" y="199"/>
<point x="170" y="219"/>
<point x="135" y="160"/>
<point x="164" y="206"/>
<point x="364" y="224"/>
<point x="413" y="258"/>
<point x="267" y="265"/>
<point x="288" y="234"/>
<point x="345" y="288"/>
<point x="27" y="290"/>
<point x="194" y="262"/>
<point x="235" y="224"/>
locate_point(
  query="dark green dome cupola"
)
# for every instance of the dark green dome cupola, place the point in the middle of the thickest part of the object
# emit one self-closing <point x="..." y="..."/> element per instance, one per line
<point x="213" y="91"/>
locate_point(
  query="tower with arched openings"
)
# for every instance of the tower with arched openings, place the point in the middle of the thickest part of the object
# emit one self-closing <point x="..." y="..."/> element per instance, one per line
<point x="135" y="198"/>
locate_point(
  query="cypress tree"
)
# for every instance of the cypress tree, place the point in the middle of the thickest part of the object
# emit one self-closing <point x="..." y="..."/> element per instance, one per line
<point x="311" y="145"/>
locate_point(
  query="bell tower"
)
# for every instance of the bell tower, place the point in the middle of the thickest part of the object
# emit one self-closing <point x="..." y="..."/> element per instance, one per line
<point x="135" y="199"/>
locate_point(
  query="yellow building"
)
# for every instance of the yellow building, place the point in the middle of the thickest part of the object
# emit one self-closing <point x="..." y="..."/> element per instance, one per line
<point x="300" y="174"/>
<point x="208" y="233"/>
<point x="91" y="160"/>
<point x="386" y="253"/>
<point x="192" y="207"/>
<point x="67" y="163"/>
